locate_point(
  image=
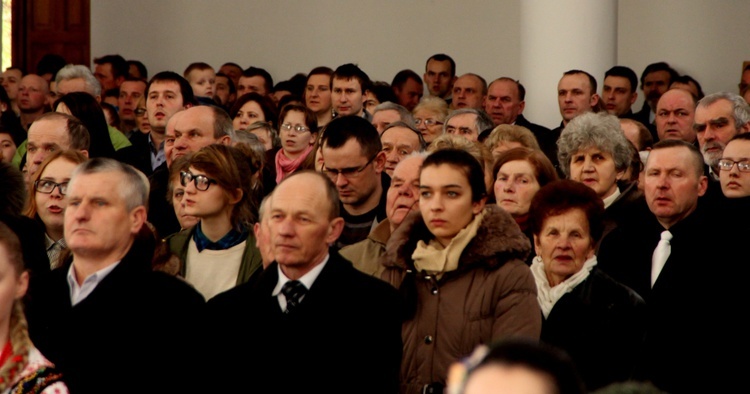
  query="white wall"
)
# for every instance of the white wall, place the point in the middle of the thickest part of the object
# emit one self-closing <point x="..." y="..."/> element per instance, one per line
<point x="707" y="39"/>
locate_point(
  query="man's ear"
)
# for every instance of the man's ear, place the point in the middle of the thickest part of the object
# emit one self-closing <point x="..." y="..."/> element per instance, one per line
<point x="594" y="100"/>
<point x="85" y="152"/>
<point x="334" y="230"/>
<point x="379" y="162"/>
<point x="521" y="106"/>
<point x="633" y="97"/>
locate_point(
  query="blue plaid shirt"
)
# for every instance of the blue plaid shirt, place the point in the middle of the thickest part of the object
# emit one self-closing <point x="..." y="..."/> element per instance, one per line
<point x="232" y="238"/>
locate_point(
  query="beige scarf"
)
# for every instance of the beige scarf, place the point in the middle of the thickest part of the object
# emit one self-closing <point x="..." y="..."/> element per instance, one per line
<point x="436" y="259"/>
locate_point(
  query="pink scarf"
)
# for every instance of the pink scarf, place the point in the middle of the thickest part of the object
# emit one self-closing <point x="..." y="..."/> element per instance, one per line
<point x="285" y="165"/>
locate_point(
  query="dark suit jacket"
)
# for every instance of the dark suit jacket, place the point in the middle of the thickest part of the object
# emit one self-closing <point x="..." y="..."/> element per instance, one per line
<point x="136" y="332"/>
<point x="691" y="310"/>
<point x="545" y="137"/>
<point x="344" y="337"/>
<point x="141" y="152"/>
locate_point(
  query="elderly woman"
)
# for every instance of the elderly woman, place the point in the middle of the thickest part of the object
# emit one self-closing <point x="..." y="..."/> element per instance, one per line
<point x="520" y="173"/>
<point x="598" y="321"/>
<point x="508" y="136"/>
<point x="593" y="150"/>
<point x="459" y="264"/>
<point x="429" y="116"/>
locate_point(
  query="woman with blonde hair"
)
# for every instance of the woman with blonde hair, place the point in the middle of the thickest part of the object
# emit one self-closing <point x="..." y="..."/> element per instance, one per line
<point x="508" y="136"/>
<point x="429" y="116"/>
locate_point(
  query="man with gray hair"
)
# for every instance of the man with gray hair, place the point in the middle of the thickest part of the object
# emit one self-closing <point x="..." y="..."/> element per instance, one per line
<point x="77" y="78"/>
<point x="108" y="301"/>
<point x="467" y="122"/>
<point x="389" y="112"/>
<point x="718" y="117"/>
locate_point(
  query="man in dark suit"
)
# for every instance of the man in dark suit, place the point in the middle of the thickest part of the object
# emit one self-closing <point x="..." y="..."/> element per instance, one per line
<point x="692" y="309"/>
<point x="106" y="320"/>
<point x="343" y="334"/>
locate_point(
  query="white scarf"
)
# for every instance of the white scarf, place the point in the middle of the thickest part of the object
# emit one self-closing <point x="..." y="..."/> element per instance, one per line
<point x="548" y="296"/>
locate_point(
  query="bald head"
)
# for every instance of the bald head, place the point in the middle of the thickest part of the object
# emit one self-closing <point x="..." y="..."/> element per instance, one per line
<point x="32" y="94"/>
<point x="675" y="112"/>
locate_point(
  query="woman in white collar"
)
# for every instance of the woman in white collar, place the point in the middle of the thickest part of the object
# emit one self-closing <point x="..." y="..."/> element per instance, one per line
<point x="597" y="320"/>
<point x="459" y="263"/>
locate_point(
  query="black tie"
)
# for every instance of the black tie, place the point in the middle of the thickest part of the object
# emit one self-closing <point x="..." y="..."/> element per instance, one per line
<point x="293" y="290"/>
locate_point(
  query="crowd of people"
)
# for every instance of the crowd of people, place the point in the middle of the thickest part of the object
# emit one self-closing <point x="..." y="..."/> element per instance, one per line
<point x="213" y="231"/>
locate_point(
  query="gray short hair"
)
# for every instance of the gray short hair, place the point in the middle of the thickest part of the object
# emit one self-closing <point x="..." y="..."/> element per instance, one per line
<point x="222" y="123"/>
<point x="600" y="130"/>
<point x="134" y="188"/>
<point x="73" y="71"/>
<point x="741" y="109"/>
<point x="482" y="122"/>
<point x="403" y="113"/>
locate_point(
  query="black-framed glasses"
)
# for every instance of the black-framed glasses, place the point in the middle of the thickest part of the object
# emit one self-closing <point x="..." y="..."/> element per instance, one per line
<point x="427" y="122"/>
<point x="202" y="182"/>
<point x="46" y="187"/>
<point x="349" y="172"/>
<point x="298" y="128"/>
<point x="742" y="165"/>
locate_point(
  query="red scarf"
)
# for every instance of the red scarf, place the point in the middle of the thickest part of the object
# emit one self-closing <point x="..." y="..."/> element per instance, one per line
<point x="285" y="165"/>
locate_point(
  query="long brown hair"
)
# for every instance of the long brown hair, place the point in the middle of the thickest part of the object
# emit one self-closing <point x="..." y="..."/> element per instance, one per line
<point x="70" y="155"/>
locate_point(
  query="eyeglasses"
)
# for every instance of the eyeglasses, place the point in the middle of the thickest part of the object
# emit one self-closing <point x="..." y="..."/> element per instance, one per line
<point x="202" y="182"/>
<point x="47" y="187"/>
<point x="742" y="165"/>
<point x="298" y="128"/>
<point x="427" y="122"/>
<point x="350" y="172"/>
<point x="140" y="111"/>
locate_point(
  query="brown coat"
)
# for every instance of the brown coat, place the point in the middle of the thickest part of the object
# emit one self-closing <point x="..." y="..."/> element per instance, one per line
<point x="491" y="295"/>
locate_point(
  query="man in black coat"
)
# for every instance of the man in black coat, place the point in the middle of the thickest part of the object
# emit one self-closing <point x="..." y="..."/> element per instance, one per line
<point x="339" y="333"/>
<point x="108" y="322"/>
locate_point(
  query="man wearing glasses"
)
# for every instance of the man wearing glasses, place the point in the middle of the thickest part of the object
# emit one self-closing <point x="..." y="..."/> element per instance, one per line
<point x="718" y="117"/>
<point x="354" y="161"/>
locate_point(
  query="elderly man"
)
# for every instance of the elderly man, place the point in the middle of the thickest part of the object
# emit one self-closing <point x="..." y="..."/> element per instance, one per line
<point x="187" y="131"/>
<point x="718" y="118"/>
<point x="469" y="91"/>
<point x="402" y="197"/>
<point x="467" y="122"/>
<point x="107" y="302"/>
<point x="400" y="139"/>
<point x="387" y="113"/>
<point x="312" y="302"/>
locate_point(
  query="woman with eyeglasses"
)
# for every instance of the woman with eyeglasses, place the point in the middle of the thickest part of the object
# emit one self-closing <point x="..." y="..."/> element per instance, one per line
<point x="429" y="116"/>
<point x="297" y="130"/>
<point x="141" y="119"/>
<point x="459" y="264"/>
<point x="47" y="201"/>
<point x="219" y="252"/>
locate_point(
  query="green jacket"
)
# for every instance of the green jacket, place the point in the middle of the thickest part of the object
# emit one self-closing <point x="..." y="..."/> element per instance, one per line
<point x="251" y="261"/>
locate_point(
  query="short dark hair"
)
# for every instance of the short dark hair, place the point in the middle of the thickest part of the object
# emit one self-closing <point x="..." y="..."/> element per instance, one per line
<point x="441" y="57"/>
<point x="232" y="88"/>
<point x="340" y="130"/>
<point x="140" y="66"/>
<point x="50" y="63"/>
<point x="349" y="71"/>
<point x="185" y="89"/>
<point x="260" y="72"/>
<point x="560" y="196"/>
<point x="625" y="72"/>
<point x="120" y="66"/>
<point x="592" y="80"/>
<point x="687" y="79"/>
<point x="404" y="75"/>
<point x="659" y="66"/>
<point x="382" y="91"/>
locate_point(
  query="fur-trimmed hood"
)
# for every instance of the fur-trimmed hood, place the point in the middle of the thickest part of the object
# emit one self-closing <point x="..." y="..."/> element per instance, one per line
<point x="498" y="240"/>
